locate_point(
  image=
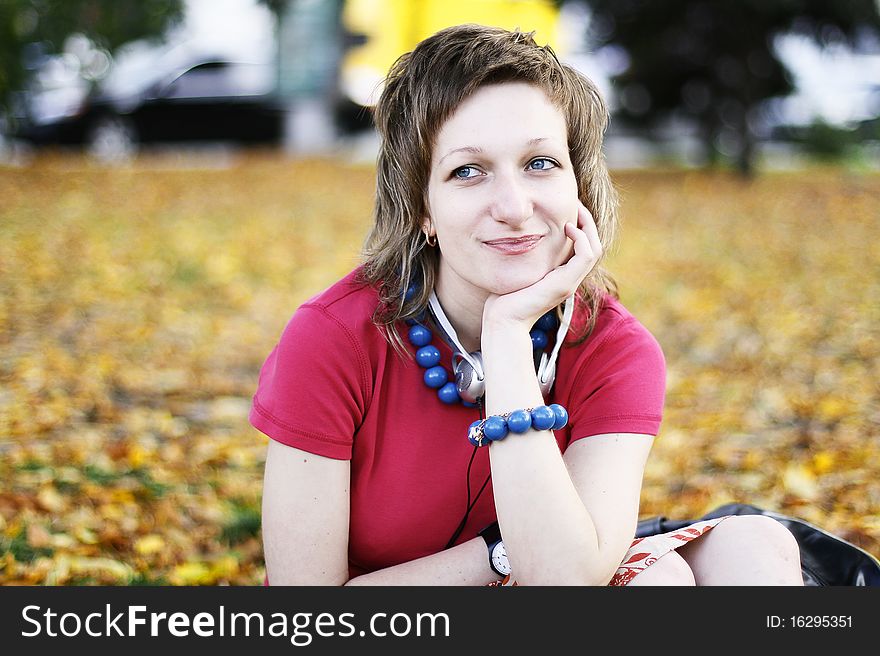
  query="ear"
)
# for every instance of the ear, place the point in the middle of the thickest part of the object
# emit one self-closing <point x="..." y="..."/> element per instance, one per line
<point x="427" y="226"/>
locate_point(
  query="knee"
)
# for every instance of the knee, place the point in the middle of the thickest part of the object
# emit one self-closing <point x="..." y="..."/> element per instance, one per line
<point x="765" y="533"/>
<point x="670" y="569"/>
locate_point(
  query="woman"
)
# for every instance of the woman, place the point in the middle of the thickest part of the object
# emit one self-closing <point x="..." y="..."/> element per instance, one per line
<point x="494" y="210"/>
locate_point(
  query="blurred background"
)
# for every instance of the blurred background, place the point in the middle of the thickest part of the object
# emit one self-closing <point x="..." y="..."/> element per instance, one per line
<point x="691" y="81"/>
<point x="176" y="176"/>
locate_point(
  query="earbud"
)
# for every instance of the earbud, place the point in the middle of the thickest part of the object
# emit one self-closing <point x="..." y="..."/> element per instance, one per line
<point x="468" y="367"/>
<point x="469" y="384"/>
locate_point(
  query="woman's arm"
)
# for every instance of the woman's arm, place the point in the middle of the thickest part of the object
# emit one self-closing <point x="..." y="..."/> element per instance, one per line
<point x="306" y="523"/>
<point x="564" y="521"/>
<point x="305" y="517"/>
<point x="607" y="471"/>
<point x="463" y="564"/>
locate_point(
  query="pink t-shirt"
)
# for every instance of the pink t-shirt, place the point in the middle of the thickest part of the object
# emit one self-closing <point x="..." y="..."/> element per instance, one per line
<point x="335" y="387"/>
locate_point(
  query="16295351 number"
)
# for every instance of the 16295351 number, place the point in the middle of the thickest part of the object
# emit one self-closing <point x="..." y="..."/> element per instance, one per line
<point x="820" y="621"/>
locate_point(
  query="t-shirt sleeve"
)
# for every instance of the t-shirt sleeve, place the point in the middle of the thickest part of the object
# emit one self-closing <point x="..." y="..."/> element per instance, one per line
<point x="621" y="386"/>
<point x="312" y="390"/>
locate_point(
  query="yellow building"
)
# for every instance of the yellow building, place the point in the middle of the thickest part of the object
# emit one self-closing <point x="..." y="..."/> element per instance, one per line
<point x="393" y="27"/>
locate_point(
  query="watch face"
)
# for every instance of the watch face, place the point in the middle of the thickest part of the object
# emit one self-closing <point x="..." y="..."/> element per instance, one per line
<point x="499" y="559"/>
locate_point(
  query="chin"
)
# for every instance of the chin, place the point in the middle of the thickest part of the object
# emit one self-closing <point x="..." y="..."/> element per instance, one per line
<point x="510" y="284"/>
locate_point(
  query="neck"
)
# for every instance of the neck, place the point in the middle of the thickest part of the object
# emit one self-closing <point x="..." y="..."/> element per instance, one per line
<point x="464" y="309"/>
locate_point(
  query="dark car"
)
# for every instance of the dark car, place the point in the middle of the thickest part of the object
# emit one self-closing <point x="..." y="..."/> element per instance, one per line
<point x="213" y="100"/>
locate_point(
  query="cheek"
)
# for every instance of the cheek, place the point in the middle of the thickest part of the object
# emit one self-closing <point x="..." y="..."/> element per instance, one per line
<point x="566" y="186"/>
<point x="451" y="218"/>
<point x="565" y="210"/>
<point x="565" y="203"/>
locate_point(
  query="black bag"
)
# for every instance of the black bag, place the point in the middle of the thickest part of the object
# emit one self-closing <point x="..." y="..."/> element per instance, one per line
<point x="826" y="560"/>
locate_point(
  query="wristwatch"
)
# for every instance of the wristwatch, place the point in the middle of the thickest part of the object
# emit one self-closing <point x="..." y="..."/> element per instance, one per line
<point x="497" y="555"/>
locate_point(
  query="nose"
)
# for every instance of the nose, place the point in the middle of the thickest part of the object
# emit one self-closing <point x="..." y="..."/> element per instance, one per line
<point x="511" y="200"/>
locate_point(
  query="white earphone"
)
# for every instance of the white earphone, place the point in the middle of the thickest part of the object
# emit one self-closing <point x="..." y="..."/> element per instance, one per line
<point x="468" y="367"/>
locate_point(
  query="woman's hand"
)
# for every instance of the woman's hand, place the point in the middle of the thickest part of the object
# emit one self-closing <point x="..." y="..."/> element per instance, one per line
<point x="525" y="306"/>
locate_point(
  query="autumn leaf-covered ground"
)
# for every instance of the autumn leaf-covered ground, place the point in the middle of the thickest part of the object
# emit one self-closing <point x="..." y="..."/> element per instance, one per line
<point x="139" y="303"/>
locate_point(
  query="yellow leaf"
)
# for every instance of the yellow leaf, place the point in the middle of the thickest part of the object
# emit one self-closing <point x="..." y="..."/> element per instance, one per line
<point x="225" y="567"/>
<point x="800" y="481"/>
<point x="122" y="496"/>
<point x="55" y="571"/>
<point x="149" y="544"/>
<point x="823" y="462"/>
<point x="137" y="456"/>
<point x="191" y="574"/>
<point x="111" y="511"/>
<point x="49" y="499"/>
<point x="114" y="568"/>
<point x="63" y="541"/>
<point x="85" y="535"/>
<point x="751" y="461"/>
<point x="833" y="408"/>
<point x="12" y="529"/>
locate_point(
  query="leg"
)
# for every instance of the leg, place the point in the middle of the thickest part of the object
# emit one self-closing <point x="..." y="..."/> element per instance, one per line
<point x="670" y="569"/>
<point x="745" y="550"/>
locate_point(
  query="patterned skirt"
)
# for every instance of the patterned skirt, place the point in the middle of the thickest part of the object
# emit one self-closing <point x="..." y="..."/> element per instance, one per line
<point x="644" y="552"/>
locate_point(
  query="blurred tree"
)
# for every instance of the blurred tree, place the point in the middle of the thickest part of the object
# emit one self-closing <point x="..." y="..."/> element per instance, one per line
<point x="30" y="30"/>
<point x="713" y="61"/>
<point x="277" y="7"/>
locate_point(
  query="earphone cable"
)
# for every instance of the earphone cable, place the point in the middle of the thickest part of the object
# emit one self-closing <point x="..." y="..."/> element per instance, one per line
<point x="470" y="505"/>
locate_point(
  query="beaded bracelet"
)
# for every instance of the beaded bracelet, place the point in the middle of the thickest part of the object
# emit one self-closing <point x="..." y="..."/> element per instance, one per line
<point x="496" y="427"/>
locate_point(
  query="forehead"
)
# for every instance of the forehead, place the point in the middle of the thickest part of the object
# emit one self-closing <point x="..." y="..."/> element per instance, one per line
<point x="508" y="112"/>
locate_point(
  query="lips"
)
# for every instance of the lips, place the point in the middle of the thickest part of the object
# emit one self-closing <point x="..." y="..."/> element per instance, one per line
<point x="514" y="245"/>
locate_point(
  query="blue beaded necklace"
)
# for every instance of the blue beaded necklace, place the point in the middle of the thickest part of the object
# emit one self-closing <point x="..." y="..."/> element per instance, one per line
<point x="436" y="376"/>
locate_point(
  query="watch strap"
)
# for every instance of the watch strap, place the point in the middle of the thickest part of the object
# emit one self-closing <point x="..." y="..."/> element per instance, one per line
<point x="491" y="534"/>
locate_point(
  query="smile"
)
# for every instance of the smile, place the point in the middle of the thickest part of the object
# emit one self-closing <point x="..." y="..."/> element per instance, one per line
<point x="514" y="246"/>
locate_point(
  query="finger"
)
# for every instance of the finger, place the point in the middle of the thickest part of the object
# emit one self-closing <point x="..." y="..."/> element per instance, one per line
<point x="583" y="245"/>
<point x="583" y="215"/>
<point x="588" y="225"/>
<point x="584" y="257"/>
<point x="578" y="236"/>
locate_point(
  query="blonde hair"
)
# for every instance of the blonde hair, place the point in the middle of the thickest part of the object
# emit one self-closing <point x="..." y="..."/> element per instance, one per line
<point x="423" y="88"/>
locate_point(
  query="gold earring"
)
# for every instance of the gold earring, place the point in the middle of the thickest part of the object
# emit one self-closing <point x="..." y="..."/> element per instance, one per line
<point x="428" y="239"/>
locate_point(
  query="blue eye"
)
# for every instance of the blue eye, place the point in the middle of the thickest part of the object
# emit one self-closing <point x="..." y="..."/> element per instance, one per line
<point x="465" y="172"/>
<point x="541" y="164"/>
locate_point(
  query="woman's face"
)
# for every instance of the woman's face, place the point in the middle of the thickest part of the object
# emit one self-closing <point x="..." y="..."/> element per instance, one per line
<point x="500" y="190"/>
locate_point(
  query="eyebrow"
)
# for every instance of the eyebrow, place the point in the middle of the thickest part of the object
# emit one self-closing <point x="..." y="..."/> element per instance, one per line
<point x="476" y="150"/>
<point x="463" y="149"/>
